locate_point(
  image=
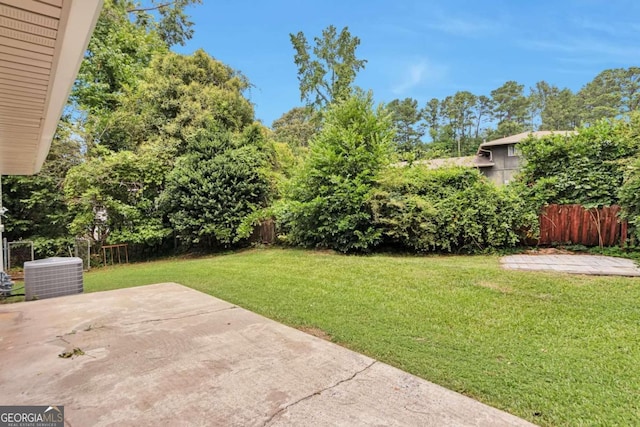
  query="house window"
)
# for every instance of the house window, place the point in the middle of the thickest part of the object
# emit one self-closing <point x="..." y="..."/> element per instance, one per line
<point x="512" y="150"/>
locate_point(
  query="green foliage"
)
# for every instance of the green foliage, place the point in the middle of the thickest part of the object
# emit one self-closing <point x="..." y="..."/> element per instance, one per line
<point x="44" y="247"/>
<point x="118" y="52"/>
<point x="585" y="168"/>
<point x="408" y="122"/>
<point x="36" y="207"/>
<point x="505" y="128"/>
<point x="459" y="116"/>
<point x="179" y="94"/>
<point x="216" y="185"/>
<point x="610" y="94"/>
<point x="455" y="124"/>
<point x="449" y="210"/>
<point x="630" y="195"/>
<point x="326" y="73"/>
<point x="561" y="112"/>
<point x="510" y="104"/>
<point x="296" y="127"/>
<point x="112" y="198"/>
<point x="173" y="25"/>
<point x="328" y="197"/>
<point x="285" y="160"/>
<point x="126" y="40"/>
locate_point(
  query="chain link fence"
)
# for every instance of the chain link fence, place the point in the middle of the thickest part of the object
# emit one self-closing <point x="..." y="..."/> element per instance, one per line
<point x="82" y="250"/>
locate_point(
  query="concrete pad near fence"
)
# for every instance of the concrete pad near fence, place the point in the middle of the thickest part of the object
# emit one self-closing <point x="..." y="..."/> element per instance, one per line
<point x="169" y="355"/>
<point x="576" y="264"/>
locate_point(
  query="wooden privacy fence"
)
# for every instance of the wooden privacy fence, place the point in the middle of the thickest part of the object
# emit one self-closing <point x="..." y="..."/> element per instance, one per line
<point x="578" y="225"/>
<point x="264" y="233"/>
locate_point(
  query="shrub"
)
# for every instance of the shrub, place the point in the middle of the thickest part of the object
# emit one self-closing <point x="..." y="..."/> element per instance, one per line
<point x="586" y="168"/>
<point x="448" y="210"/>
<point x="327" y="199"/>
<point x="215" y="186"/>
<point x="630" y="196"/>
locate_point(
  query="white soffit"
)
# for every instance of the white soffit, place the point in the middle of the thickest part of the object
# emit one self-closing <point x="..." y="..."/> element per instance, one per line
<point x="42" y="43"/>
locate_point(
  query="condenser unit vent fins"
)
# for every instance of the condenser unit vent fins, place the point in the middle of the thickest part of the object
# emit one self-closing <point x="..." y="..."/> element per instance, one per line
<point x="52" y="277"/>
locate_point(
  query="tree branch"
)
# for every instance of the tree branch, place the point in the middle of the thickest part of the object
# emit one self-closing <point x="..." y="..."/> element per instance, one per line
<point x="324" y="98"/>
<point x="145" y="9"/>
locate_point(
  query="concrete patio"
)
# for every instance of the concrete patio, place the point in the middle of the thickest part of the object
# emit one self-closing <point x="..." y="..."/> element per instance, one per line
<point x="577" y="264"/>
<point x="168" y="355"/>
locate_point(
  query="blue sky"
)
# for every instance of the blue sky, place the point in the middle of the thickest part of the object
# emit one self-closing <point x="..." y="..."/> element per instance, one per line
<point x="422" y="49"/>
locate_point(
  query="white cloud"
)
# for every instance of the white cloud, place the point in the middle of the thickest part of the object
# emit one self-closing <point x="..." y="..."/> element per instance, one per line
<point x="416" y="74"/>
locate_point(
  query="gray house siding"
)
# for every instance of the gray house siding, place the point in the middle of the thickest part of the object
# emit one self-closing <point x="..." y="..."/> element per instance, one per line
<point x="502" y="168"/>
<point x="505" y="167"/>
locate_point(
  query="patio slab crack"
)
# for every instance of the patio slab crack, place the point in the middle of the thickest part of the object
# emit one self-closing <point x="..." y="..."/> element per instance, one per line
<point x="316" y="393"/>
<point x="163" y="319"/>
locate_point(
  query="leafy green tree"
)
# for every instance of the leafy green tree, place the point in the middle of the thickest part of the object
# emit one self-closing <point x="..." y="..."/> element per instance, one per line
<point x="296" y="127"/>
<point x="630" y="195"/>
<point x="126" y="38"/>
<point x="112" y="198"/>
<point x="114" y="195"/>
<point x="505" y="128"/>
<point x="216" y="185"/>
<point x="173" y="26"/>
<point x="610" y="94"/>
<point x="177" y="95"/>
<point x="455" y="123"/>
<point x="539" y="97"/>
<point x="327" y="71"/>
<point x="510" y="104"/>
<point x="408" y="122"/>
<point x="482" y="114"/>
<point x="561" y="112"/>
<point x="458" y="111"/>
<point x="36" y="207"/>
<point x="118" y="52"/>
<point x="327" y="202"/>
<point x="431" y="114"/>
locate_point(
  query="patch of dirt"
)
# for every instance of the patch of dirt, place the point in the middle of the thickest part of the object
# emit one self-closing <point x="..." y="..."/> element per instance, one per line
<point x="548" y="251"/>
<point x="495" y="287"/>
<point x="316" y="332"/>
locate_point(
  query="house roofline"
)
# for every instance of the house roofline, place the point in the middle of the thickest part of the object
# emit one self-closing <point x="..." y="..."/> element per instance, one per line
<point x="514" y="139"/>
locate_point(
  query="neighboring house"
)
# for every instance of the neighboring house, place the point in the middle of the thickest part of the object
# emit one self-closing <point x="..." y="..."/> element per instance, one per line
<point x="499" y="160"/>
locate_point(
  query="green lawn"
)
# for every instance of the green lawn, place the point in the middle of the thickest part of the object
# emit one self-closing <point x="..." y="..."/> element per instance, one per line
<point x="554" y="349"/>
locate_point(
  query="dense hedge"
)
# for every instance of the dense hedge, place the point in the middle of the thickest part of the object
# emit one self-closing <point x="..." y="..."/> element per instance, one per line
<point x="630" y="196"/>
<point x="214" y="187"/>
<point x="586" y="168"/>
<point x="449" y="210"/>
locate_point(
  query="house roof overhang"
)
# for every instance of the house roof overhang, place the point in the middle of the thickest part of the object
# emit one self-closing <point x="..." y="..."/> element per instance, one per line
<point x="42" y="43"/>
<point x="514" y="139"/>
